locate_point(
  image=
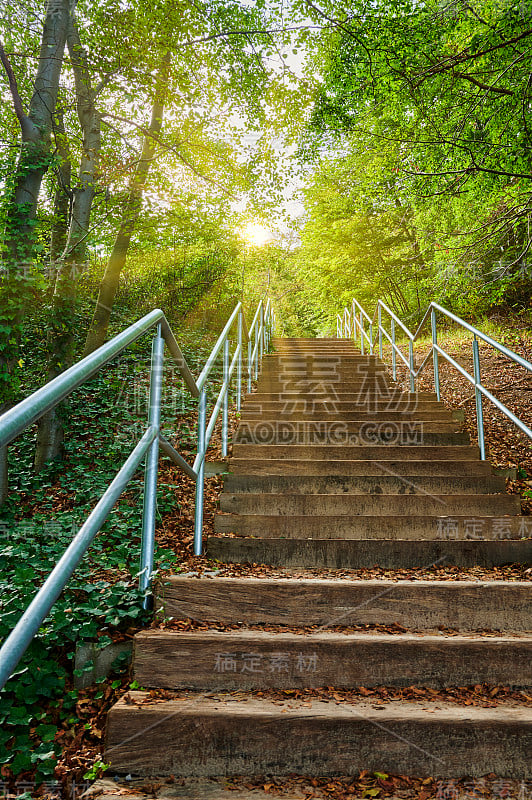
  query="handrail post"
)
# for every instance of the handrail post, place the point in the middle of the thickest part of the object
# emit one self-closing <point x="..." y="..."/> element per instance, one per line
<point x="478" y="399"/>
<point x="261" y="332"/>
<point x="257" y="349"/>
<point x="150" y="470"/>
<point x="379" y="320"/>
<point x="394" y="354"/>
<point x="435" y="353"/>
<point x="198" y="510"/>
<point x="239" y="365"/>
<point x="371" y="338"/>
<point x="411" y="365"/>
<point x="250" y="365"/>
<point x="225" y="407"/>
<point x="361" y="333"/>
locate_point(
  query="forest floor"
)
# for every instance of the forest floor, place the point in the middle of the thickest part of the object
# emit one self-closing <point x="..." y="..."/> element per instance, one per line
<point x="78" y="732"/>
<point x="507" y="448"/>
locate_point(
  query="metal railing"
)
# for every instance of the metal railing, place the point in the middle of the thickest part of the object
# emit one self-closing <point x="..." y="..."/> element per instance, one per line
<point x="25" y="413"/>
<point x="352" y="324"/>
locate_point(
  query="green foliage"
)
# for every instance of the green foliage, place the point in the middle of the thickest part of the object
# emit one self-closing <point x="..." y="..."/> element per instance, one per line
<point x="37" y="524"/>
<point x="426" y="178"/>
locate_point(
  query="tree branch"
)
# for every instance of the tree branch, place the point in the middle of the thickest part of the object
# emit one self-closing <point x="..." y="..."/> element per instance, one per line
<point x="29" y="131"/>
<point x="451" y="62"/>
<point x="486" y="86"/>
<point x="172" y="149"/>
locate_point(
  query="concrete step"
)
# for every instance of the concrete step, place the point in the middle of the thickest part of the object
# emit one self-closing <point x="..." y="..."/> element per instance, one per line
<point x="356" y="453"/>
<point x="419" y="521"/>
<point x="251" y="659"/>
<point x="367" y="553"/>
<point x="415" y="604"/>
<point x="285" y="504"/>
<point x="363" y="484"/>
<point x="205" y="735"/>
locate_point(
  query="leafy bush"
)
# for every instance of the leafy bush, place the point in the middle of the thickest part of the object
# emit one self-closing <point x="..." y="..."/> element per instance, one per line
<point x="103" y="421"/>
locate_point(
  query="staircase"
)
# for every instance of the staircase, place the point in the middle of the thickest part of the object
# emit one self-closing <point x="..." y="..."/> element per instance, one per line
<point x="335" y="468"/>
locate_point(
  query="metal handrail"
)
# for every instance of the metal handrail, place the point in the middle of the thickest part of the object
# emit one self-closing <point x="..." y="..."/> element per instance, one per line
<point x="435" y="351"/>
<point x="29" y="410"/>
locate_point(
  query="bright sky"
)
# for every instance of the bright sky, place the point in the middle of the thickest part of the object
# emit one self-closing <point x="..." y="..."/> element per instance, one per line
<point x="256" y="235"/>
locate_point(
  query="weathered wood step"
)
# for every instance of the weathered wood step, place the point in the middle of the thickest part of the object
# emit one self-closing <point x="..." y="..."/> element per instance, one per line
<point x="364" y="453"/>
<point x="251" y="659"/>
<point x="160" y="788"/>
<point x="368" y="553"/>
<point x="422" y="525"/>
<point x="389" y="392"/>
<point x="396" y="403"/>
<point x="325" y="363"/>
<point x="377" y="467"/>
<point x="342" y="433"/>
<point x="350" y="417"/>
<point x="289" y="374"/>
<point x="383" y="410"/>
<point x="362" y="412"/>
<point x="346" y="348"/>
<point x="418" y="604"/>
<point x="322" y="505"/>
<point x="327" y="405"/>
<point x="381" y="422"/>
<point x="364" y="484"/>
<point x="322" y="358"/>
<point x="365" y="402"/>
<point x="199" y="736"/>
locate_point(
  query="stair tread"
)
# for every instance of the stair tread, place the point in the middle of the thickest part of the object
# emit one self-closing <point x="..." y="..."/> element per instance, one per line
<point x="366" y="467"/>
<point x="249" y="705"/>
<point x="357" y="553"/>
<point x="310" y="638"/>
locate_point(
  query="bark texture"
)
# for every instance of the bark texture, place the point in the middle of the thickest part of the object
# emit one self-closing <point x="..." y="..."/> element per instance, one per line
<point x="50" y="435"/>
<point x="34" y="159"/>
<point x="100" y="321"/>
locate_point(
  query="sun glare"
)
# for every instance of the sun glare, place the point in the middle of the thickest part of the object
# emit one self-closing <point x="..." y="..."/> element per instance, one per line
<point x="256" y="235"/>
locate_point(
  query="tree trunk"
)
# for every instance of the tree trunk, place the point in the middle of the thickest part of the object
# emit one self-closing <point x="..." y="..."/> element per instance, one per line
<point x="50" y="435"/>
<point x="63" y="192"/>
<point x="34" y="160"/>
<point x="97" y="334"/>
